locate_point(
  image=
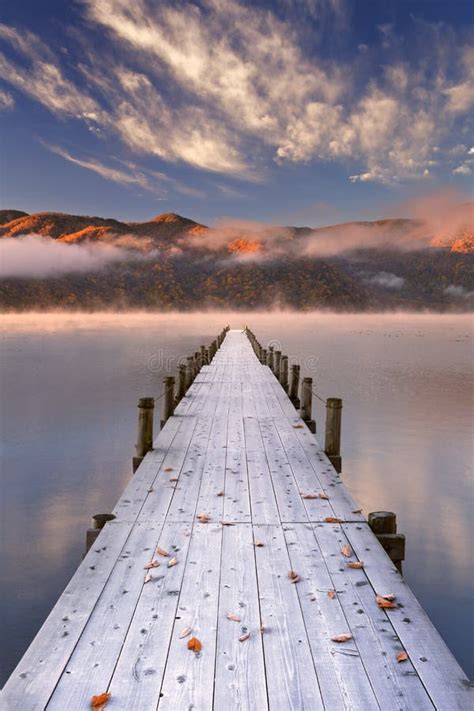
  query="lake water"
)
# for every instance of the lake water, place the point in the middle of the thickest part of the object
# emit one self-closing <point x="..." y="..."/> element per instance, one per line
<point x="69" y="386"/>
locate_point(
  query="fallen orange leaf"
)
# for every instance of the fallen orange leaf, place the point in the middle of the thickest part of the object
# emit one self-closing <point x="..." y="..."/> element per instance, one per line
<point x="203" y="517"/>
<point x="148" y="578"/>
<point x="258" y="544"/>
<point x="402" y="657"/>
<point x="357" y="564"/>
<point x="298" y="427"/>
<point x="342" y="638"/>
<point x="220" y="493"/>
<point x="333" y="519"/>
<point x="293" y="576"/>
<point x="346" y="550"/>
<point x="323" y="495"/>
<point x="309" y="496"/>
<point x="161" y="551"/>
<point x="244" y="637"/>
<point x="228" y="523"/>
<point x="152" y="564"/>
<point x="386" y="601"/>
<point x="194" y="644"/>
<point x="98" y="702"/>
<point x="168" y="469"/>
<point x="232" y="616"/>
<point x="332" y="594"/>
<point x="172" y="562"/>
<point x="175" y="478"/>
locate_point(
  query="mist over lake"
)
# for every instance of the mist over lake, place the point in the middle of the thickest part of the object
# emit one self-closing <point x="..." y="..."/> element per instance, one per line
<point x="70" y="384"/>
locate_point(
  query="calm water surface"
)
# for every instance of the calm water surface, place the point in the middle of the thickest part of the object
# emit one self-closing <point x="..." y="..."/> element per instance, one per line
<point x="69" y="386"/>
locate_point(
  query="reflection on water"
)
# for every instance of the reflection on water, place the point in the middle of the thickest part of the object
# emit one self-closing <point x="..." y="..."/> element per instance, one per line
<point x="69" y="388"/>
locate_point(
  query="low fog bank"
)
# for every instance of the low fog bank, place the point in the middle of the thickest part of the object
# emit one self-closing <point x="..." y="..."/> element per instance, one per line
<point x="204" y="321"/>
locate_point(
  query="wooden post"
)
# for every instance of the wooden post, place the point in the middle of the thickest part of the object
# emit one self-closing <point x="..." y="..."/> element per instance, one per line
<point x="264" y="356"/>
<point x="270" y="358"/>
<point x="203" y="355"/>
<point x="168" y="402"/>
<point x="284" y="373"/>
<point x="214" y="348"/>
<point x="181" y="382"/>
<point x="98" y="523"/>
<point x="207" y="356"/>
<point x="384" y="525"/>
<point x="295" y="383"/>
<point x="197" y="363"/>
<point x="332" y="443"/>
<point x="189" y="371"/>
<point x="307" y="404"/>
<point x="146" y="406"/>
<point x="277" y="364"/>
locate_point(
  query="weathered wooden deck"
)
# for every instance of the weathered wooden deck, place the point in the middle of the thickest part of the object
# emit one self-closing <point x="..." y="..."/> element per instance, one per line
<point x="236" y="450"/>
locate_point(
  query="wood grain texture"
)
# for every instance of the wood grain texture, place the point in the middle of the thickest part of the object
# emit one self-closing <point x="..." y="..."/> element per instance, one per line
<point x="225" y="492"/>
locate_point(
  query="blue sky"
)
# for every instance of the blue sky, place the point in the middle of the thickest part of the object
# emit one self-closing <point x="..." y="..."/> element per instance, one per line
<point x="292" y="111"/>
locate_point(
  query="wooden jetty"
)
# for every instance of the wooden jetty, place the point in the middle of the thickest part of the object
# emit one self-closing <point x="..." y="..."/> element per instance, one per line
<point x="237" y="537"/>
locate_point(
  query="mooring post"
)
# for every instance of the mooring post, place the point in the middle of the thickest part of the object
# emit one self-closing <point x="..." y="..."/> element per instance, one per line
<point x="332" y="442"/>
<point x="307" y="404"/>
<point x="295" y="384"/>
<point x="384" y="525"/>
<point x="168" y="402"/>
<point x="197" y="363"/>
<point x="284" y="372"/>
<point x="146" y="406"/>
<point x="277" y="364"/>
<point x="181" y="382"/>
<point x="270" y="358"/>
<point x="189" y="371"/>
<point x="214" y="348"/>
<point x="98" y="523"/>
<point x="264" y="356"/>
<point x="203" y="355"/>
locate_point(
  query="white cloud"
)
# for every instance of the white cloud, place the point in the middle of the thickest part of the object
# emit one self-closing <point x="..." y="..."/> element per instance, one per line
<point x="39" y="257"/>
<point x="187" y="89"/>
<point x="463" y="169"/>
<point x="387" y="280"/>
<point x="6" y="101"/>
<point x="459" y="292"/>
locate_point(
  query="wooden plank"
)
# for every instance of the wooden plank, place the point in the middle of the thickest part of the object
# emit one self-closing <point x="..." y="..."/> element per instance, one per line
<point x="169" y="451"/>
<point x="292" y="682"/>
<point x="263" y="503"/>
<point x="189" y="676"/>
<point x="439" y="671"/>
<point x="240" y="683"/>
<point x="38" y="672"/>
<point x="137" y="678"/>
<point x="236" y="490"/>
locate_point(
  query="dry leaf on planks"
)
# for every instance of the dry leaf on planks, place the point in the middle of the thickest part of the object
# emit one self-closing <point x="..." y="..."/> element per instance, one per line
<point x="203" y="518"/>
<point x="333" y="519"/>
<point x="244" y="637"/>
<point x="172" y="562"/>
<point x="386" y="601"/>
<point x="162" y="552"/>
<point x="98" y="702"/>
<point x="356" y="564"/>
<point x="346" y="550"/>
<point x="402" y="657"/>
<point x="233" y="616"/>
<point x="293" y="576"/>
<point x="152" y="564"/>
<point x="194" y="644"/>
<point x="342" y="638"/>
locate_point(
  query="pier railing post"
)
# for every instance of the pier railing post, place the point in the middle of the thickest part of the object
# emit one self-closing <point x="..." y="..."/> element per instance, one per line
<point x="264" y="356"/>
<point x="98" y="523"/>
<point x="181" y="382"/>
<point x="307" y="404"/>
<point x="168" y="402"/>
<point x="203" y="355"/>
<point x="295" y="383"/>
<point x="146" y="406"/>
<point x="284" y="372"/>
<point x="270" y="358"/>
<point x="332" y="442"/>
<point x="277" y="364"/>
<point x="384" y="525"/>
<point x="189" y="371"/>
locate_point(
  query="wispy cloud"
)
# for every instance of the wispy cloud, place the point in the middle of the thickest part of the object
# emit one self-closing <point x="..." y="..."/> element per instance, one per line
<point x="186" y="89"/>
<point x="6" y="101"/>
